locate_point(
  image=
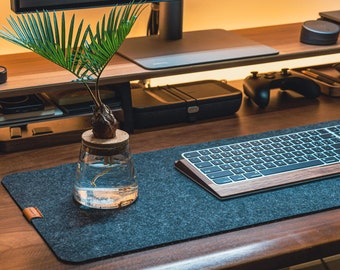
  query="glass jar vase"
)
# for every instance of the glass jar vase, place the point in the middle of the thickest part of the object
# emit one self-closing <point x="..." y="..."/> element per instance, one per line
<point x="105" y="172"/>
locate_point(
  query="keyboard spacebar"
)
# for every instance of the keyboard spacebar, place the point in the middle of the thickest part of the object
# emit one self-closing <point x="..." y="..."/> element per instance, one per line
<point x="291" y="167"/>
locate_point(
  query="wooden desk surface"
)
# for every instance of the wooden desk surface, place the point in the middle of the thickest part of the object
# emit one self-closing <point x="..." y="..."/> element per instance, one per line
<point x="268" y="246"/>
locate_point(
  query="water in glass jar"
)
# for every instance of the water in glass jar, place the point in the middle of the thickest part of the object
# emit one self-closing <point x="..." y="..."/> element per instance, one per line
<point x="106" y="186"/>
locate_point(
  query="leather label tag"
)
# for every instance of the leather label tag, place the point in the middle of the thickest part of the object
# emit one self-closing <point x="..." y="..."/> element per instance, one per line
<point x="31" y="213"/>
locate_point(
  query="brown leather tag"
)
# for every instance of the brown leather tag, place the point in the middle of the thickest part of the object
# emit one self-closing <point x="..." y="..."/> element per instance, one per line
<point x="31" y="213"/>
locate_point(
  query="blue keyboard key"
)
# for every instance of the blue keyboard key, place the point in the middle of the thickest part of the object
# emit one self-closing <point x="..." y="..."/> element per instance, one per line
<point x="203" y="164"/>
<point x="222" y="180"/>
<point x="238" y="177"/>
<point x="211" y="169"/>
<point x="292" y="167"/>
<point x="219" y="174"/>
<point x="329" y="160"/>
<point x="252" y="175"/>
<point x="191" y="154"/>
<point x="194" y="160"/>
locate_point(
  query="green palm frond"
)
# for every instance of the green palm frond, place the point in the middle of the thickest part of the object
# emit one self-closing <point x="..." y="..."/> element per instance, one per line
<point x="76" y="48"/>
<point x="40" y="34"/>
<point x="108" y="37"/>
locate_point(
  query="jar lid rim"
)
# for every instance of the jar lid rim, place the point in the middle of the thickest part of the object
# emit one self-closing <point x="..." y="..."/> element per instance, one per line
<point x="121" y="138"/>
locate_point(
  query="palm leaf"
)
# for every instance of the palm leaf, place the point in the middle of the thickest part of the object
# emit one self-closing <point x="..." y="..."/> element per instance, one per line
<point x="77" y="49"/>
<point x="40" y="34"/>
<point x="109" y="36"/>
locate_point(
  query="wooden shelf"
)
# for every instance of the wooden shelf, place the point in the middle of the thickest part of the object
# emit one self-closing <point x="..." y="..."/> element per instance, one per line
<point x="31" y="73"/>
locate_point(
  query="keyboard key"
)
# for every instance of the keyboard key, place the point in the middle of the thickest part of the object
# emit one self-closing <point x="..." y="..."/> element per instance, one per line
<point x="280" y="163"/>
<point x="211" y="169"/>
<point x="226" y="154"/>
<point x="290" y="161"/>
<point x="222" y="180"/>
<point x="319" y="155"/>
<point x="258" y="160"/>
<point x="216" y="156"/>
<point x="225" y="148"/>
<point x="227" y="160"/>
<point x="205" y="158"/>
<point x="254" y="174"/>
<point x="329" y="160"/>
<point x="259" y="167"/>
<point x="238" y="158"/>
<point x="248" y="156"/>
<point x="220" y="174"/>
<point x="237" y="177"/>
<point x="215" y="150"/>
<point x="336" y="146"/>
<point x="268" y="159"/>
<point x="278" y="157"/>
<point x="236" y="164"/>
<point x="327" y="136"/>
<point x="259" y="154"/>
<point x="247" y="163"/>
<point x="298" y="153"/>
<point x="269" y="153"/>
<point x="194" y="160"/>
<point x="237" y="171"/>
<point x="203" y="164"/>
<point x="248" y="169"/>
<point x="270" y="165"/>
<point x="292" y="167"/>
<point x="204" y="152"/>
<point x="245" y="145"/>
<point x="191" y="154"/>
<point x="300" y="159"/>
<point x="226" y="167"/>
<point x="217" y="162"/>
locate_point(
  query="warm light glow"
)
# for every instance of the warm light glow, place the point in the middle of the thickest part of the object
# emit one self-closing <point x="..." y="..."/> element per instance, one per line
<point x="231" y="14"/>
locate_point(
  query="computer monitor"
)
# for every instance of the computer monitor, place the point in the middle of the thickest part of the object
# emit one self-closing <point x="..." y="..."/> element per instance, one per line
<point x="172" y="47"/>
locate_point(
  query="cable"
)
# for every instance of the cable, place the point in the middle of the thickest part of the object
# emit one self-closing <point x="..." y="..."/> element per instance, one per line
<point x="324" y="264"/>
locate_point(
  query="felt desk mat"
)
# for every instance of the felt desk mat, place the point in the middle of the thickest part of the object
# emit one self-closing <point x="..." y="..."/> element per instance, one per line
<point x="170" y="208"/>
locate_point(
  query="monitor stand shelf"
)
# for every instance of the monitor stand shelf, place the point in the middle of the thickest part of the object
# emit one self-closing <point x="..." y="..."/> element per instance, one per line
<point x="29" y="73"/>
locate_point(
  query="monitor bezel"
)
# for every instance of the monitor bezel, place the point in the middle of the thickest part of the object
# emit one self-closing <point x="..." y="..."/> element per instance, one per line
<point x="23" y="6"/>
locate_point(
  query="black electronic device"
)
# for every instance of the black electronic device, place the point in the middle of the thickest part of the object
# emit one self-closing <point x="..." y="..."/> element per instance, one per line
<point x="319" y="32"/>
<point x="187" y="102"/>
<point x="3" y="74"/>
<point x="21" y="104"/>
<point x="326" y="75"/>
<point x="257" y="86"/>
<point x="171" y="47"/>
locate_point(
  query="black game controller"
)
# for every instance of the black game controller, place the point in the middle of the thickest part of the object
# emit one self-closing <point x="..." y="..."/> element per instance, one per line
<point x="257" y="86"/>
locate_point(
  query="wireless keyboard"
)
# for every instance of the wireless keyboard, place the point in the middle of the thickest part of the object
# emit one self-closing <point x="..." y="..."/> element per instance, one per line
<point x="270" y="162"/>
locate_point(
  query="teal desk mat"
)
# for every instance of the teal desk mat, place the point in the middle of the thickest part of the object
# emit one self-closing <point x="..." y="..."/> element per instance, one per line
<point x="170" y="208"/>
